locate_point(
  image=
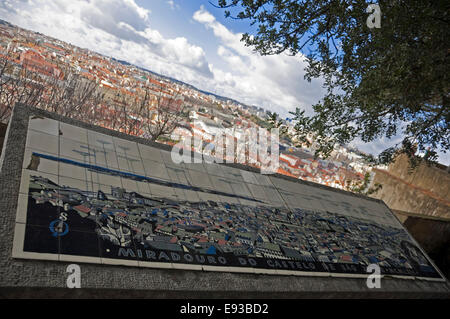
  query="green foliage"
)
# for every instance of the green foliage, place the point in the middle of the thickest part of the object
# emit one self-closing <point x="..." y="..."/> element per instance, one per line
<point x="274" y="122"/>
<point x="363" y="186"/>
<point x="379" y="82"/>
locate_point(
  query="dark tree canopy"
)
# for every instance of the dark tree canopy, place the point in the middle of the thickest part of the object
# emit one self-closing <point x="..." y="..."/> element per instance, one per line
<point x="379" y="81"/>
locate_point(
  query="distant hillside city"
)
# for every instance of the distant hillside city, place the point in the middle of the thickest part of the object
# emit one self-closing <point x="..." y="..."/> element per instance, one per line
<point x="47" y="73"/>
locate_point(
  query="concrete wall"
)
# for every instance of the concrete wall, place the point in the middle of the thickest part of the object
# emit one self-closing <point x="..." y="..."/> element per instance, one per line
<point x="424" y="191"/>
<point x="434" y="179"/>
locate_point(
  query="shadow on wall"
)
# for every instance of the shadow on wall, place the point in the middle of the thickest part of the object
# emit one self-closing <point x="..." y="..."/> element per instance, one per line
<point x="424" y="230"/>
<point x="2" y="135"/>
<point x="424" y="191"/>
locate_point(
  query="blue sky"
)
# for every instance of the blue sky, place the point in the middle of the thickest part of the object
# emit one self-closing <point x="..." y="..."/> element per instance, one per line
<point x="189" y="40"/>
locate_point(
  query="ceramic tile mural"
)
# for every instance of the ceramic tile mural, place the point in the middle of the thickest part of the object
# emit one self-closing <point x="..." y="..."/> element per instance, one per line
<point x="89" y="197"/>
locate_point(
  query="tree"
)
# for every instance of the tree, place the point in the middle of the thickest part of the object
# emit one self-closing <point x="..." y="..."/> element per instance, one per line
<point x="18" y="85"/>
<point x="362" y="186"/>
<point x="273" y="121"/>
<point x="72" y="95"/>
<point x="164" y="114"/>
<point x="126" y="111"/>
<point x="379" y="81"/>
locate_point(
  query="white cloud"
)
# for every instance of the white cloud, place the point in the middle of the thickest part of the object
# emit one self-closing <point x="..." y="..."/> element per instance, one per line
<point x="123" y="29"/>
<point x="274" y="82"/>
<point x="173" y="5"/>
<point x="110" y="27"/>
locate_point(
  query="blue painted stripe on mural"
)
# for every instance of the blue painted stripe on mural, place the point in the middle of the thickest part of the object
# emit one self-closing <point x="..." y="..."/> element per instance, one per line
<point x="133" y="176"/>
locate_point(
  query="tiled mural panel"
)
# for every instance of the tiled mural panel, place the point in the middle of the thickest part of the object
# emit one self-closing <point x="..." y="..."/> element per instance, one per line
<point x="90" y="197"/>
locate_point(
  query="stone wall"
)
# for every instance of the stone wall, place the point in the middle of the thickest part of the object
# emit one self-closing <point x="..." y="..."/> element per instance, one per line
<point x="424" y="191"/>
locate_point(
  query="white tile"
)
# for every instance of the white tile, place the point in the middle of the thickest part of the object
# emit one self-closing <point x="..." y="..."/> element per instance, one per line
<point x="179" y="193"/>
<point x="126" y="147"/>
<point x="208" y="197"/>
<point x="22" y="208"/>
<point x="42" y="124"/>
<point x="283" y="184"/>
<point x="217" y="268"/>
<point x="187" y="266"/>
<point x="73" y="171"/>
<point x="172" y="174"/>
<point x="264" y="271"/>
<point x="77" y="151"/>
<point x="310" y="273"/>
<point x="191" y="196"/>
<point x="110" y="159"/>
<point x="422" y="278"/>
<point x="198" y="167"/>
<point x="100" y="187"/>
<point x="229" y="200"/>
<point x="143" y="188"/>
<point x="124" y="162"/>
<point x="99" y="158"/>
<point x="248" y="202"/>
<point x="75" y="183"/>
<point x="161" y="191"/>
<point x="42" y="142"/>
<point x="257" y="191"/>
<point x="155" y="170"/>
<point x="80" y="259"/>
<point x="214" y="169"/>
<point x="240" y="189"/>
<point x="342" y="275"/>
<point x="119" y="262"/>
<point x="199" y="179"/>
<point x="73" y="132"/>
<point x="19" y="237"/>
<point x="221" y="184"/>
<point x="37" y="163"/>
<point x="130" y="164"/>
<point x="93" y="177"/>
<point x="150" y="264"/>
<point x="273" y="194"/>
<point x="263" y="180"/>
<point x="106" y="179"/>
<point x="100" y="141"/>
<point x="130" y="185"/>
<point x="233" y="174"/>
<point x="249" y="177"/>
<point x="137" y="167"/>
<point x="151" y="153"/>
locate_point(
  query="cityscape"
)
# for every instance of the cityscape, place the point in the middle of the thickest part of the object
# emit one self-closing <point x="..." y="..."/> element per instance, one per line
<point x="205" y="115"/>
